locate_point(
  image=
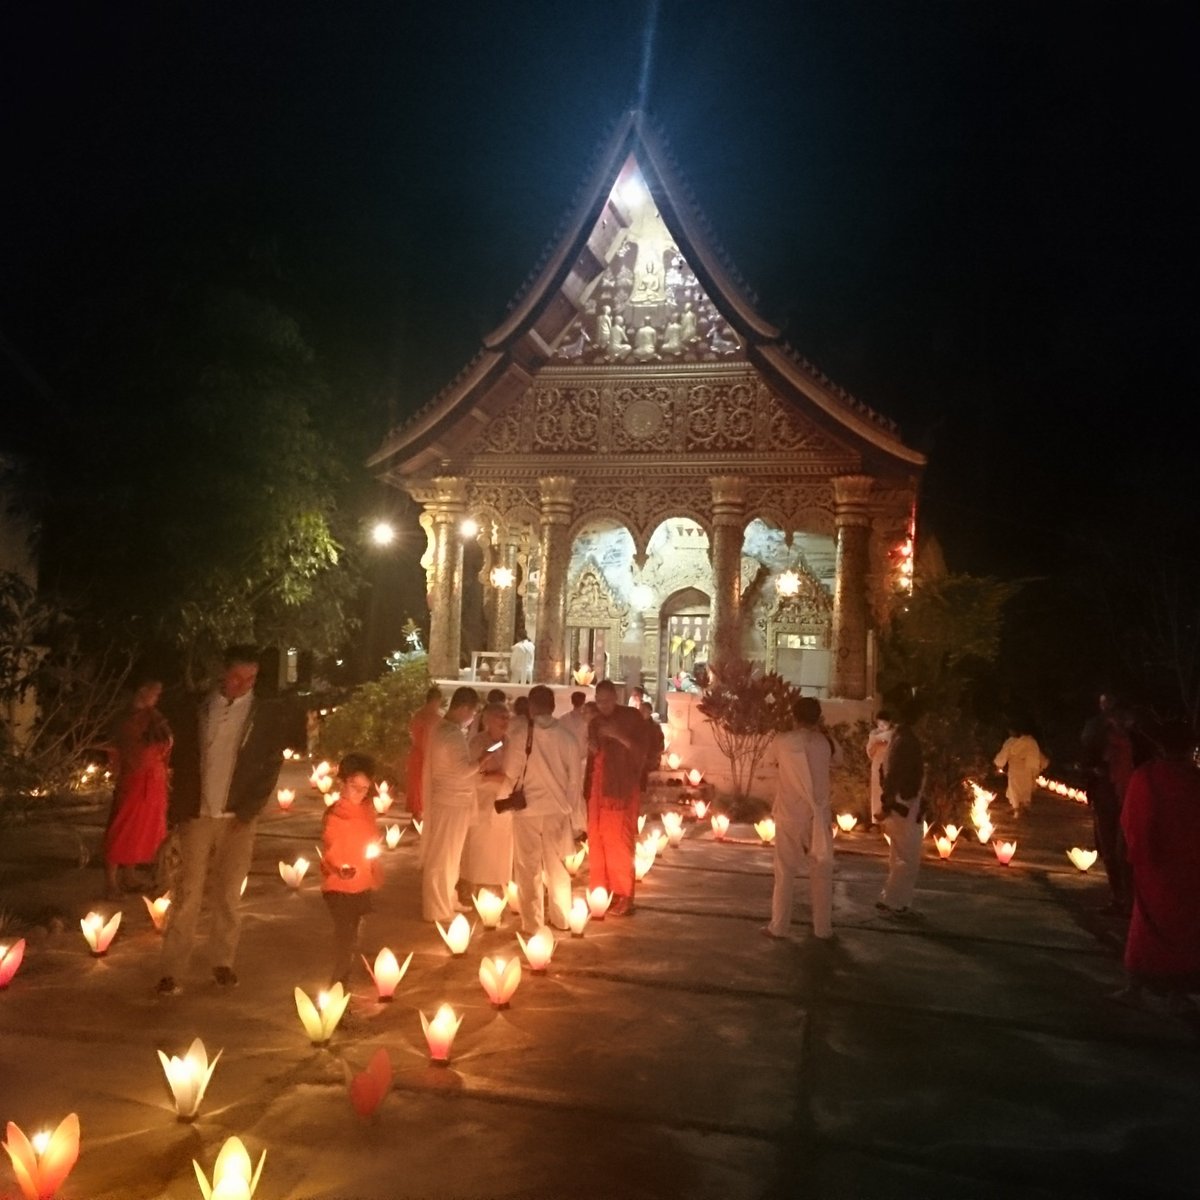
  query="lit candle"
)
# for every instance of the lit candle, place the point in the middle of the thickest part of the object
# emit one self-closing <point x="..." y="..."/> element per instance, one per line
<point x="158" y="910"/>
<point x="188" y="1078"/>
<point x="99" y="933"/>
<point x="500" y="979"/>
<point x="386" y="973"/>
<point x="440" y="1033"/>
<point x="490" y="907"/>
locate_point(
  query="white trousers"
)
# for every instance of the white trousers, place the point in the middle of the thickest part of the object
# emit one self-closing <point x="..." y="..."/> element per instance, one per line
<point x="221" y="847"/>
<point x="543" y="882"/>
<point x="442" y="842"/>
<point x="904" y="858"/>
<point x="793" y="840"/>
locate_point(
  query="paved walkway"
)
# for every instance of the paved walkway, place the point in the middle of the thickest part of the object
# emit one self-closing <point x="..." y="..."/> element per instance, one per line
<point x="970" y="1053"/>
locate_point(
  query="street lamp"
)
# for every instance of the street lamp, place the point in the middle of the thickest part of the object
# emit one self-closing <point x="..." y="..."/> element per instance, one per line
<point x="383" y="533"/>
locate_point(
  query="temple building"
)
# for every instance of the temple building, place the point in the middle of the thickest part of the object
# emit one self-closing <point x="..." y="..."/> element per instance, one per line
<point x="657" y="482"/>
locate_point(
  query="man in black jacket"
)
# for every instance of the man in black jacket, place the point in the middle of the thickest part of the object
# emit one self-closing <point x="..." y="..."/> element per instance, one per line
<point x="900" y="803"/>
<point x="224" y="767"/>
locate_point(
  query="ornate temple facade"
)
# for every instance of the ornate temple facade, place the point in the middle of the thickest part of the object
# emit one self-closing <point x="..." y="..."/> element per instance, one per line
<point x="657" y="482"/>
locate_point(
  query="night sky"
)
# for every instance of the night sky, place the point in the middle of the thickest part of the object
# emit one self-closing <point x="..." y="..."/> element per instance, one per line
<point x="975" y="215"/>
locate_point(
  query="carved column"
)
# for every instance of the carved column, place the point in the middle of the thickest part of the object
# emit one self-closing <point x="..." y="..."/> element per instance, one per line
<point x="729" y="525"/>
<point x="851" y="594"/>
<point x="502" y="630"/>
<point x="549" y="663"/>
<point x="445" y="576"/>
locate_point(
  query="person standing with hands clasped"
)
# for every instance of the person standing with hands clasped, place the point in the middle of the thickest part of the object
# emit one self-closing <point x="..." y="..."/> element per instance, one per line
<point x="350" y="864"/>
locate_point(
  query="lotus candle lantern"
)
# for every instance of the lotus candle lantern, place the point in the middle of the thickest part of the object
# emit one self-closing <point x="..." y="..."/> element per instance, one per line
<point x="234" y="1176"/>
<point x="440" y="1033"/>
<point x="661" y="837"/>
<point x="321" y="1019"/>
<point x="642" y="862"/>
<point x="641" y="822"/>
<point x="331" y="798"/>
<point x="325" y="787"/>
<point x="1005" y="851"/>
<point x="319" y="772"/>
<point x="293" y="873"/>
<point x="386" y="973"/>
<point x="673" y="824"/>
<point x="458" y="936"/>
<point x="419" y="826"/>
<point x="383" y="799"/>
<point x="10" y="961"/>
<point x="189" y="1077"/>
<point x="700" y="808"/>
<point x="695" y="777"/>
<point x="288" y="755"/>
<point x="945" y="846"/>
<point x="368" y="1088"/>
<point x="285" y="797"/>
<point x="1081" y="860"/>
<point x="846" y="821"/>
<point x="765" y="829"/>
<point x="924" y="829"/>
<point x="500" y="979"/>
<point x="372" y="852"/>
<point x="952" y="832"/>
<point x="392" y="835"/>
<point x="245" y="882"/>
<point x="584" y="675"/>
<point x="539" y="949"/>
<point x="158" y="910"/>
<point x="983" y="831"/>
<point x="100" y="933"/>
<point x="573" y="862"/>
<point x="578" y="917"/>
<point x="513" y="895"/>
<point x="41" y="1163"/>
<point x="598" y="901"/>
<point x="674" y="762"/>
<point x="490" y="907"/>
<point x="720" y="826"/>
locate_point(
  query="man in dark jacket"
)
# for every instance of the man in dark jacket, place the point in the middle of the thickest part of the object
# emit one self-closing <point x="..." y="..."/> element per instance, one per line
<point x="225" y="764"/>
<point x="900" y="803"/>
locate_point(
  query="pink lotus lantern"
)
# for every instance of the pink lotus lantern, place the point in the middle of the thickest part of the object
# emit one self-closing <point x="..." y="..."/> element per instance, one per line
<point x="674" y="761"/>
<point x="846" y="821"/>
<point x="598" y="901"/>
<point x="158" y="910"/>
<point x="293" y="873"/>
<point x="700" y="808"/>
<point x="10" y="961"/>
<point x="392" y="835"/>
<point x="285" y="797"/>
<point x="100" y="933"/>
<point x="500" y="979"/>
<point x="765" y="829"/>
<point x="440" y="1034"/>
<point x="538" y="950"/>
<point x="578" y="917"/>
<point x="490" y="907"/>
<point x="673" y="824"/>
<point x="458" y="936"/>
<point x="234" y="1176"/>
<point x="1081" y="860"/>
<point x="720" y="826"/>
<point x="43" y="1162"/>
<point x="945" y="846"/>
<point x="383" y="799"/>
<point x="386" y="973"/>
<point x="368" y="1088"/>
<point x="695" y="777"/>
<point x="1005" y="851"/>
<point x="573" y="862"/>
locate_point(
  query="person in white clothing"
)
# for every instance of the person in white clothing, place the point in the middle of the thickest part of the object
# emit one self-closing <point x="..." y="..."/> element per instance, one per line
<point x="520" y="661"/>
<point x="487" y="858"/>
<point x="802" y="819"/>
<point x="878" y="741"/>
<point x="452" y="773"/>
<point x="542" y="758"/>
<point x="903" y="779"/>
<point x="1022" y="759"/>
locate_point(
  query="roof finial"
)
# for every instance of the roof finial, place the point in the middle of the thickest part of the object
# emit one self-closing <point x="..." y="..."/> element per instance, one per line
<point x="647" y="54"/>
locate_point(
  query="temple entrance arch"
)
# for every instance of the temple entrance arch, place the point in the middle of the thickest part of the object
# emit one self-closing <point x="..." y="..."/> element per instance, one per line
<point x="685" y="629"/>
<point x="600" y="601"/>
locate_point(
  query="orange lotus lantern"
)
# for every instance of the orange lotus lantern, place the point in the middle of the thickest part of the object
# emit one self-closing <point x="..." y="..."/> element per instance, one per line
<point x="490" y="907"/>
<point x="765" y="829"/>
<point x="368" y="1088"/>
<point x="500" y="979"/>
<point x="700" y="809"/>
<point x="720" y="826"/>
<point x="695" y="777"/>
<point x="383" y="798"/>
<point x="285" y="797"/>
<point x="293" y="873"/>
<point x="386" y="973"/>
<point x="234" y="1176"/>
<point x="189" y="1077"/>
<point x="392" y="835"/>
<point x="41" y="1163"/>
<point x="573" y="862"/>
<point x="10" y="961"/>
<point x="158" y="910"/>
<point x="945" y="846"/>
<point x="538" y="950"/>
<point x="1005" y="851"/>
<point x="674" y="762"/>
<point x="1081" y="860"/>
<point x="440" y="1034"/>
<point x="578" y="917"/>
<point x="846" y="821"/>
<point x="598" y="901"/>
<point x="321" y="1019"/>
<point x="100" y="933"/>
<point x="458" y="936"/>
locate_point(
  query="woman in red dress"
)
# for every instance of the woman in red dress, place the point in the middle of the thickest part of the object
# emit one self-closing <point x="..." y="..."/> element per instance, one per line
<point x="139" y="822"/>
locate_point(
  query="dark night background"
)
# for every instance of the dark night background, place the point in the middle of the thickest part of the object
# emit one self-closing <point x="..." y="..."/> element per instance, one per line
<point x="978" y="217"/>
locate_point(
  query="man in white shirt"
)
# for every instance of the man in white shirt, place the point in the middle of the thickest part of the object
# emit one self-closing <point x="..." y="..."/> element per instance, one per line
<point x="802" y="819"/>
<point x="551" y="776"/>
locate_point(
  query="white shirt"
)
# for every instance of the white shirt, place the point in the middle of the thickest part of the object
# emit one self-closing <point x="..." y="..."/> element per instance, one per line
<point x="804" y="756"/>
<point x="450" y="772"/>
<point x="576" y="724"/>
<point x="553" y="776"/>
<point x="224" y="729"/>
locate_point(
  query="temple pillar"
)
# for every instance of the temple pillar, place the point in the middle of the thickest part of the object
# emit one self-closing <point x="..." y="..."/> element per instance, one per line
<point x="502" y="627"/>
<point x="725" y="552"/>
<point x="851" y="599"/>
<point x="445" y="576"/>
<point x="549" y="662"/>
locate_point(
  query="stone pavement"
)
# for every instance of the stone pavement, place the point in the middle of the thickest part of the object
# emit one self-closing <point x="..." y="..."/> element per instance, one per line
<point x="968" y="1053"/>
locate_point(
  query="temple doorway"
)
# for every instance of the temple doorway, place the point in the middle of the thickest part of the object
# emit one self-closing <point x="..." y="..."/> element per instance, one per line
<point x="685" y="620"/>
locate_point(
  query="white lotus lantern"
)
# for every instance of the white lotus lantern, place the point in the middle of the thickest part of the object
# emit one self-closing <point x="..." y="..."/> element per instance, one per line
<point x="458" y="936"/>
<point x="573" y="862"/>
<point x="1082" y="860"/>
<point x="189" y="1077"/>
<point x="158" y="910"/>
<point x="419" y="826"/>
<point x="700" y="809"/>
<point x="720" y="826"/>
<point x="641" y="822"/>
<point x="952" y="832"/>
<point x="321" y="1019"/>
<point x="673" y="824"/>
<point x="1005" y="851"/>
<point x="598" y="901"/>
<point x="99" y="932"/>
<point x="392" y="835"/>
<point x="293" y="873"/>
<point x="331" y="798"/>
<point x="642" y="862"/>
<point x="578" y="917"/>
<point x="234" y="1176"/>
<point x="386" y="973"/>
<point x="846" y="821"/>
<point x="674" y="762"/>
<point x="695" y="777"/>
<point x="490" y="907"/>
<point x="285" y="797"/>
<point x="765" y="829"/>
<point x="983" y="831"/>
<point x="945" y="846"/>
<point x="440" y="1033"/>
<point x="500" y="979"/>
<point x="538" y="950"/>
<point x="513" y="895"/>
<point x="383" y="798"/>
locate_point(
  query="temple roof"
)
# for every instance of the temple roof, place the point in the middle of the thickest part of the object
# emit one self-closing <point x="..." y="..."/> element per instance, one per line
<point x="635" y="251"/>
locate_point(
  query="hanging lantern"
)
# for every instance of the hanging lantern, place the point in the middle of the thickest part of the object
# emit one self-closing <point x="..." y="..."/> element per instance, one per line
<point x="846" y="821"/>
<point x="440" y="1034"/>
<point x="368" y="1088"/>
<point x="10" y="961"/>
<point x="500" y="979"/>
<point x="598" y="901"/>
<point x="765" y="829"/>
<point x="158" y="910"/>
<point x="286" y="798"/>
<point x="674" y="762"/>
<point x="100" y="933"/>
<point x="539" y="949"/>
<point x="490" y="908"/>
<point x="945" y="846"/>
<point x="386" y="973"/>
<point x="573" y="862"/>
<point x="501" y="577"/>
<point x="1005" y="851"/>
<point x="189" y="1077"/>
<point x="700" y="808"/>
<point x="42" y="1163"/>
<point x="720" y="826"/>
<point x="392" y="835"/>
<point x="293" y="873"/>
<point x="578" y="917"/>
<point x="788" y="583"/>
<point x="234" y="1176"/>
<point x="321" y="1019"/>
<point x="458" y="936"/>
<point x="1081" y="860"/>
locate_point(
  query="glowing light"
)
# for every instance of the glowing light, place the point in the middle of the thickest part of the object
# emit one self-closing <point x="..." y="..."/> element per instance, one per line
<point x="321" y="1019"/>
<point x="720" y="826"/>
<point x="952" y="832"/>
<point x="584" y="675"/>
<point x="500" y="979"/>
<point x="788" y="583"/>
<point x="43" y="1162"/>
<point x="10" y="961"/>
<point x="468" y="527"/>
<point x="189" y="1078"/>
<point x="392" y="835"/>
<point x="1005" y="851"/>
<point x="578" y="917"/>
<point x="383" y="798"/>
<point x="372" y="852"/>
<point x="1061" y="789"/>
<point x="331" y="798"/>
<point x="945" y="846"/>
<point x="286" y="797"/>
<point x="673" y="824"/>
<point x="641" y="822"/>
<point x="983" y="831"/>
<point x="440" y="1033"/>
<point x="573" y="862"/>
<point x="100" y="933"/>
<point x="1082" y="860"/>
<point x="288" y="755"/>
<point x="765" y="829"/>
<point x="458" y="936"/>
<point x="293" y="873"/>
<point x="490" y="907"/>
<point x="368" y="1088"/>
<point x="598" y="901"/>
<point x="538" y="950"/>
<point x="700" y="808"/>
<point x="643" y="596"/>
<point x="386" y="973"/>
<point x="382" y="533"/>
<point x="513" y="895"/>
<point x="419" y="826"/>
<point x="234" y="1176"/>
<point x="501" y="577"/>
<point x="846" y="821"/>
<point x="695" y="777"/>
<point x="674" y="761"/>
<point x="158" y="910"/>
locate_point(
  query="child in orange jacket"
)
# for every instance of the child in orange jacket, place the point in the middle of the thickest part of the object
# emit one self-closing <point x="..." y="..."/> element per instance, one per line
<point x="350" y="868"/>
